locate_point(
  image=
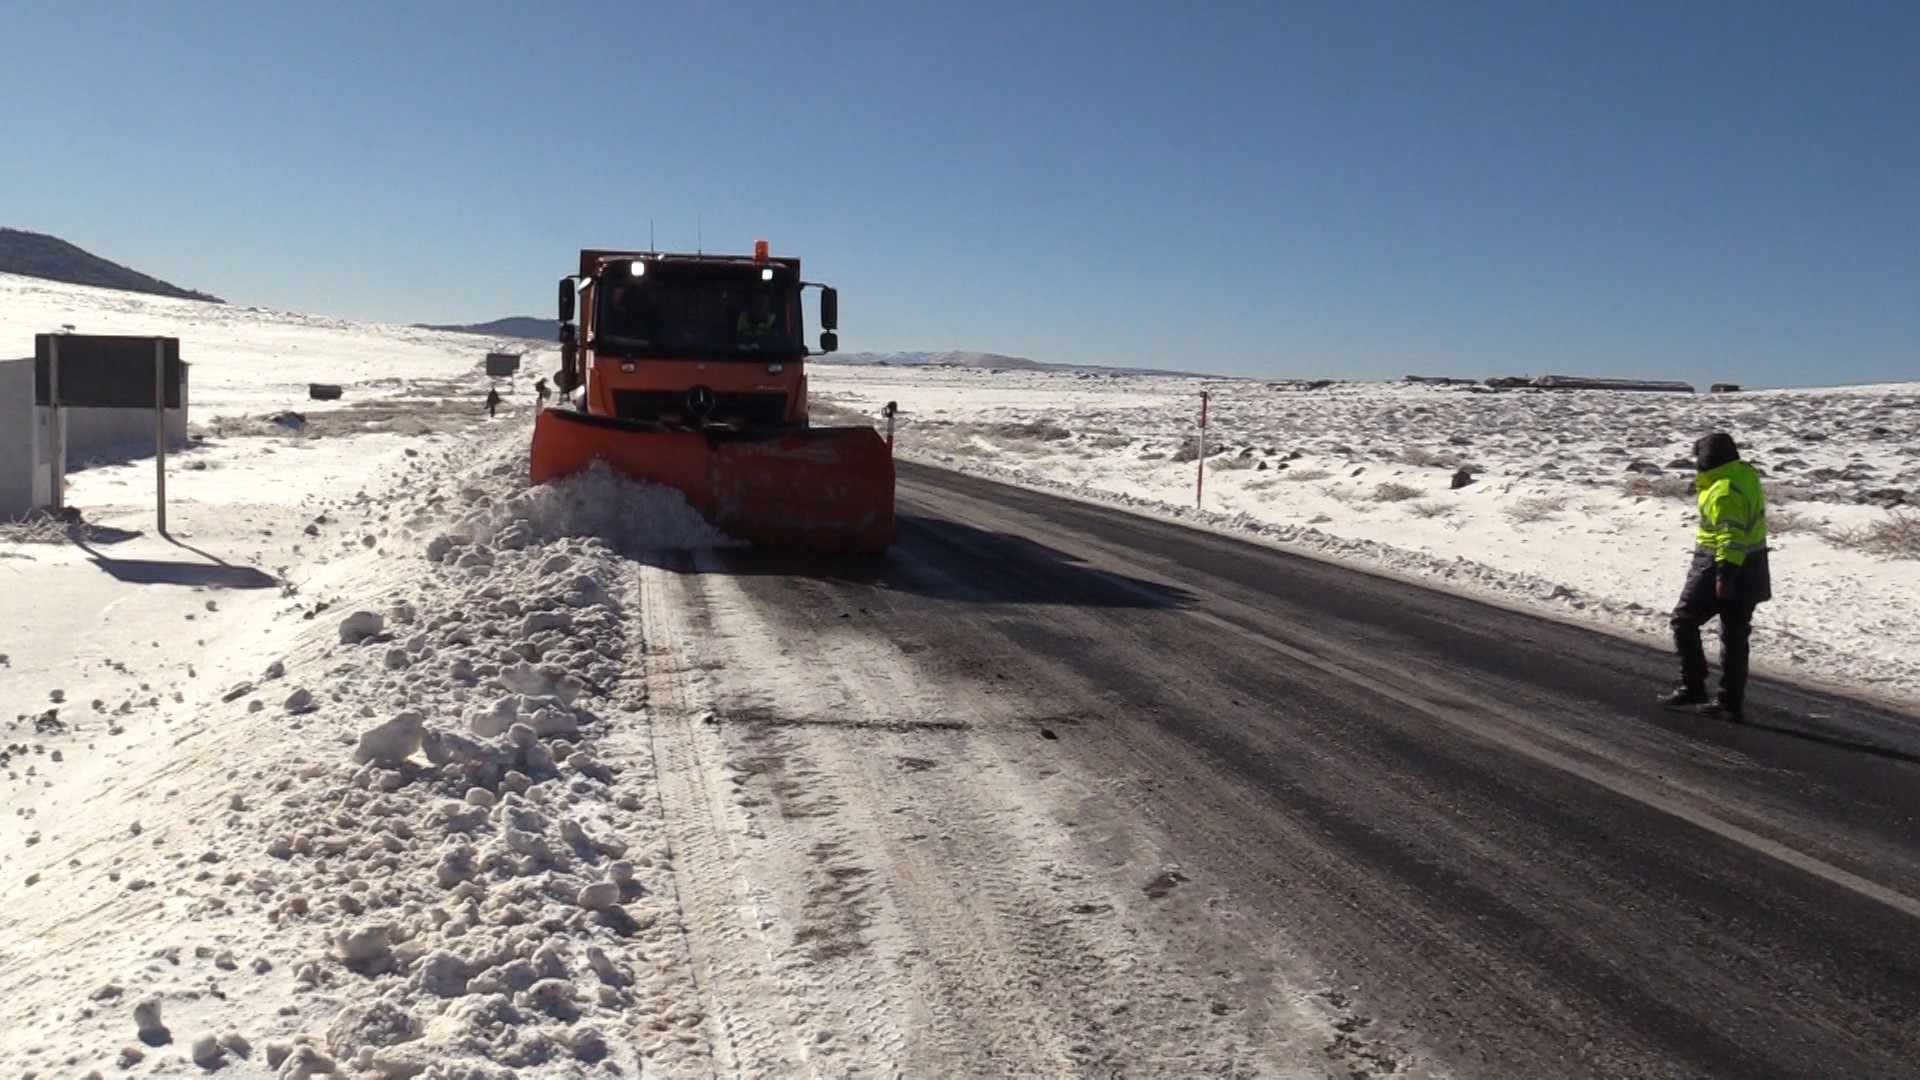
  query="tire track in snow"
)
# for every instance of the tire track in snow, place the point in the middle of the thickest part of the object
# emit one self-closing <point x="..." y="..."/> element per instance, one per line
<point x="749" y="1030"/>
<point x="936" y="915"/>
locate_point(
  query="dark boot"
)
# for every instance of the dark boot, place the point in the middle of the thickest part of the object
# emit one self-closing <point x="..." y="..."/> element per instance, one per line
<point x="1684" y="697"/>
<point x="1697" y="605"/>
<point x="1693" y="660"/>
<point x="1736" y="631"/>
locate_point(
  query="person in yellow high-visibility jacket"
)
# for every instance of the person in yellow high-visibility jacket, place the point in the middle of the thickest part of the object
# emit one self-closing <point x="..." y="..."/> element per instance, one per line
<point x="756" y="321"/>
<point x="1729" y="578"/>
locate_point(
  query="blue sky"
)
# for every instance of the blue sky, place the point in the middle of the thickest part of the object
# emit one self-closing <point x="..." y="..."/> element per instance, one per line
<point x="1723" y="191"/>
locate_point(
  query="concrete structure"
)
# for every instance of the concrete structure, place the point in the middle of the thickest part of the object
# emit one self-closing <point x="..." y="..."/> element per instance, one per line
<point x="23" y="475"/>
<point x="26" y="437"/>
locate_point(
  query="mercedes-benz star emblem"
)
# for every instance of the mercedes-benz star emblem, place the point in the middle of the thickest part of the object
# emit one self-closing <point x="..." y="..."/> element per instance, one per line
<point x="700" y="401"/>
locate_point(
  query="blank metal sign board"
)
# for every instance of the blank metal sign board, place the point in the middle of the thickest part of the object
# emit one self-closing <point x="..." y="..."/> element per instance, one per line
<point x="100" y="371"/>
<point x="502" y="364"/>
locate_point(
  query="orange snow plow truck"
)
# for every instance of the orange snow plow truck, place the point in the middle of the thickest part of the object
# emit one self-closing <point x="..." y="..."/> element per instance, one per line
<point x="691" y="372"/>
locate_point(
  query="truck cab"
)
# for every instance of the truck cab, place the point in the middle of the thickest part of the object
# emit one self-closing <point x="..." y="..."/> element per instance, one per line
<point x="691" y="341"/>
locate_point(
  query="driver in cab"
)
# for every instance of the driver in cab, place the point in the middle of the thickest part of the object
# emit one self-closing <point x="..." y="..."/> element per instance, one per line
<point x="756" y="322"/>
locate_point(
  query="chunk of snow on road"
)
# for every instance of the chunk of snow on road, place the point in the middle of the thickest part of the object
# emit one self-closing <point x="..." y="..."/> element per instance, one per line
<point x="360" y="626"/>
<point x="147" y="1023"/>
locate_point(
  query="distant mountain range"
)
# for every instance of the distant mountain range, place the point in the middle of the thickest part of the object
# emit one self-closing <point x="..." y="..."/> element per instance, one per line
<point x="992" y="361"/>
<point x="513" y="326"/>
<point x="548" y="331"/>
<point x="38" y="255"/>
<point x="948" y="358"/>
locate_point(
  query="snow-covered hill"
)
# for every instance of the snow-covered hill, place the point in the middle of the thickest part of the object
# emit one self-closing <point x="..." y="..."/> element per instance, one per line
<point x="39" y="255"/>
<point x="247" y="360"/>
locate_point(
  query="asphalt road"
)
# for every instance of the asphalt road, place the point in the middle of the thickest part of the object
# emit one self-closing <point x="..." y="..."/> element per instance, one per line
<point x="1464" y="834"/>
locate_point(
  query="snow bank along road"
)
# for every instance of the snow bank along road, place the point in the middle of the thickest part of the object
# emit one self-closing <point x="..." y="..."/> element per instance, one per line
<point x="1061" y="791"/>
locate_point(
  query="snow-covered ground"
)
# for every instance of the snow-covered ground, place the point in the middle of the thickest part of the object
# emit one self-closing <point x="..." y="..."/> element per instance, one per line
<point x="354" y="769"/>
<point x="319" y="781"/>
<point x="1580" y="506"/>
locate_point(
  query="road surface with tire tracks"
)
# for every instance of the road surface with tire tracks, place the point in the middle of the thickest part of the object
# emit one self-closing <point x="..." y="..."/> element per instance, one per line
<point x="1058" y="790"/>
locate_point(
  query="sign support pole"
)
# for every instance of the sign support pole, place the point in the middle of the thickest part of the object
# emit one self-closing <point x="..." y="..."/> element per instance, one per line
<point x="58" y="433"/>
<point x="1200" y="479"/>
<point x="160" y="431"/>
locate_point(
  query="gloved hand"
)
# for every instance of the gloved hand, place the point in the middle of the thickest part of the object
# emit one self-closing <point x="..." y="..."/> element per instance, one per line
<point x="1728" y="583"/>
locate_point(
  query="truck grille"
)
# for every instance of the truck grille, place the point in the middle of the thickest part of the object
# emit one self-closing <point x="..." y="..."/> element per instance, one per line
<point x="754" y="410"/>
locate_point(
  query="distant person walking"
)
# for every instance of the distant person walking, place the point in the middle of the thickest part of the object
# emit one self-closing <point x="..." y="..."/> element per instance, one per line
<point x="1729" y="578"/>
<point x="493" y="400"/>
<point x="540" y="392"/>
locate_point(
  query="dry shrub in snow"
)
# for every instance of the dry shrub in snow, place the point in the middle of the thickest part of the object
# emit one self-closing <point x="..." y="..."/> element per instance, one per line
<point x="1038" y="430"/>
<point x="1109" y="442"/>
<point x="1188" y="451"/>
<point x="1396" y="492"/>
<point x="55" y="527"/>
<point x="1231" y="463"/>
<point x="286" y="425"/>
<point x="1785" y="491"/>
<point x="1536" y="508"/>
<point x="1781" y="521"/>
<point x="1659" y="487"/>
<point x="1305" y="474"/>
<point x="1431" y="508"/>
<point x="1896" y="536"/>
<point x="37" y="528"/>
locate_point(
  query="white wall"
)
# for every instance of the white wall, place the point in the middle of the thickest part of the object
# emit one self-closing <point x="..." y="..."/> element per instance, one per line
<point x="18" y="436"/>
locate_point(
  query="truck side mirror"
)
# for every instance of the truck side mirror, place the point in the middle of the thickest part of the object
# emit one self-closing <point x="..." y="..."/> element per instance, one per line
<point x="566" y="300"/>
<point x="829" y="310"/>
<point x="829" y="341"/>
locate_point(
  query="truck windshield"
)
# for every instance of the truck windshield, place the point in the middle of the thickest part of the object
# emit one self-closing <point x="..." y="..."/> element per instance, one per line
<point x="708" y="317"/>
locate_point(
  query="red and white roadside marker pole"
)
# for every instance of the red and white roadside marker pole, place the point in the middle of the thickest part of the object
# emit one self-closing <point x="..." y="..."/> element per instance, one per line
<point x="1200" y="478"/>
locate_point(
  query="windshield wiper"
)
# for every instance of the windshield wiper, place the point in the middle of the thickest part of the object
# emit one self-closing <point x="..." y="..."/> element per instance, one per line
<point x="626" y="342"/>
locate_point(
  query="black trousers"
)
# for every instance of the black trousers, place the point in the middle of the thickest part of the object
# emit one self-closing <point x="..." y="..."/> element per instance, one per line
<point x="1700" y="604"/>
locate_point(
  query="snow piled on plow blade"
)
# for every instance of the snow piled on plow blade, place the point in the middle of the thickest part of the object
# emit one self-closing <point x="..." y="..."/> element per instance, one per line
<point x="598" y="502"/>
<point x="828" y="489"/>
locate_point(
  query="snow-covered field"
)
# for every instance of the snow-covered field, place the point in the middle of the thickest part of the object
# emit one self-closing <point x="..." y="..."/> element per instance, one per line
<point x="326" y="780"/>
<point x="1580" y="505"/>
<point x="245" y="361"/>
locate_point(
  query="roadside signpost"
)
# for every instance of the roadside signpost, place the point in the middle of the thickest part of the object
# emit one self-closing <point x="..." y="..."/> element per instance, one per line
<point x="99" y="371"/>
<point x="1200" y="480"/>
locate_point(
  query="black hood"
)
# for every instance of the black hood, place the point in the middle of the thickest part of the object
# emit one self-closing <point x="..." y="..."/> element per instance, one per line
<point x="1715" y="450"/>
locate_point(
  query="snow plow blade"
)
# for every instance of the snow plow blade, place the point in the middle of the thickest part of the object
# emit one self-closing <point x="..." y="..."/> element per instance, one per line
<point x="822" y="489"/>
